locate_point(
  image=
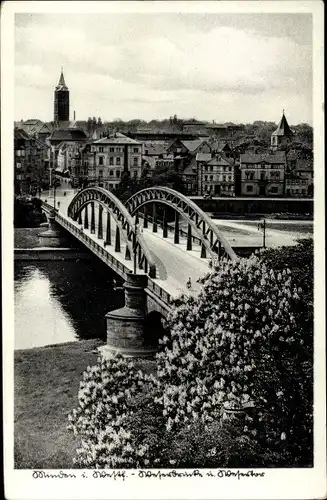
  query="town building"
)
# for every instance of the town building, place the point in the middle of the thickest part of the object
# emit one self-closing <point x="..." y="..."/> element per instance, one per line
<point x="35" y="128"/>
<point x="65" y="150"/>
<point x="216" y="176"/>
<point x="31" y="163"/>
<point x="299" y="178"/>
<point x="263" y="174"/>
<point x="112" y="156"/>
<point x="185" y="161"/>
<point x="282" y="136"/>
<point x="61" y="101"/>
<point x="195" y="127"/>
<point x="155" y="157"/>
<point x="180" y="148"/>
<point x="70" y="162"/>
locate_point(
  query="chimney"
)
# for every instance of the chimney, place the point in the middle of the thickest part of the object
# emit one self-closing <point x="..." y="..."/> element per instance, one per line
<point x="74" y="116"/>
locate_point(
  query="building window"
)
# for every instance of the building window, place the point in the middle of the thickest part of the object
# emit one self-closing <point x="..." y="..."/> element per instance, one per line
<point x="101" y="149"/>
<point x="118" y="160"/>
<point x="100" y="160"/>
<point x="111" y="172"/>
<point x="111" y="160"/>
<point x="211" y="177"/>
<point x="112" y="150"/>
<point x="135" y="150"/>
<point x="18" y="165"/>
<point x="274" y="189"/>
<point x="135" y="161"/>
<point x="205" y="177"/>
<point x="249" y="189"/>
<point x="100" y="173"/>
<point x="229" y="177"/>
<point x="117" y="173"/>
<point x="135" y="173"/>
<point x="262" y="176"/>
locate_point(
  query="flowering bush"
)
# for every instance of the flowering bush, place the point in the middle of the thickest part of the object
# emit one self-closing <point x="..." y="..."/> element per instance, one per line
<point x="244" y="345"/>
<point x="106" y="398"/>
<point x="238" y="345"/>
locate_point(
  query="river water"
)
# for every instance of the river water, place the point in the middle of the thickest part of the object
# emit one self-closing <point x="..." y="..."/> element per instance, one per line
<point x="61" y="301"/>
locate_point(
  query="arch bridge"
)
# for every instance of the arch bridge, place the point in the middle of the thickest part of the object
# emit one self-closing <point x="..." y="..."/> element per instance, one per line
<point x="110" y="230"/>
<point x="200" y="227"/>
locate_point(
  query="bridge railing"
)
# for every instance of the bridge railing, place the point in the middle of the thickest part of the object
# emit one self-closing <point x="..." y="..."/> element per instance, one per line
<point x="152" y="286"/>
<point x="159" y="291"/>
<point x="97" y="249"/>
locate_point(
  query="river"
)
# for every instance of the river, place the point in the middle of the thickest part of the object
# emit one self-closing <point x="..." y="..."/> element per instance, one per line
<point x="62" y="301"/>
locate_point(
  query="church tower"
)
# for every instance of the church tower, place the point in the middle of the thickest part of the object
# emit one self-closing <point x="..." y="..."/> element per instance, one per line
<point x="282" y="135"/>
<point x="61" y="101"/>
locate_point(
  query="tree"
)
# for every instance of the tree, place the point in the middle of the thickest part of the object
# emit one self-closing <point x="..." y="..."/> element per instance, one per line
<point x="246" y="341"/>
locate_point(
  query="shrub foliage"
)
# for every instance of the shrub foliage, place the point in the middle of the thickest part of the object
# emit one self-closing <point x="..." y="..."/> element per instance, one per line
<point x="242" y="347"/>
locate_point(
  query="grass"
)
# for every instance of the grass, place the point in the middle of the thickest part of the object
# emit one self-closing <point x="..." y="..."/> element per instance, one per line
<point x="27" y="237"/>
<point x="46" y="386"/>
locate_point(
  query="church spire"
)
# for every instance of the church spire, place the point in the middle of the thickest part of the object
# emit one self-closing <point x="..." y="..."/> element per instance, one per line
<point x="62" y="80"/>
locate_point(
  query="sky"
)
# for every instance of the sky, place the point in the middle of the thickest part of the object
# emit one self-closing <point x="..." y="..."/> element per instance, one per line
<point x="211" y="66"/>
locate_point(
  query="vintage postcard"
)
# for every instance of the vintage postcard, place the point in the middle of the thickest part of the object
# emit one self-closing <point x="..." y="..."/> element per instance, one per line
<point x="163" y="250"/>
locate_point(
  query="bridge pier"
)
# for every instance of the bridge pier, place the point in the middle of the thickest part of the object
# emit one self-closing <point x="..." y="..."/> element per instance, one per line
<point x="53" y="236"/>
<point x="125" y="326"/>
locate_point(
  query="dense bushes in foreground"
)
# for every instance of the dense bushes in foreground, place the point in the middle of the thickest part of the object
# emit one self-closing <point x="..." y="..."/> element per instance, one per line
<point x="243" y="347"/>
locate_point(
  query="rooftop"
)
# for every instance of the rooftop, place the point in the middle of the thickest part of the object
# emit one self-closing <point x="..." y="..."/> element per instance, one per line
<point x="304" y="165"/>
<point x="220" y="160"/>
<point x="283" y="128"/>
<point x="117" y="138"/>
<point x="71" y="134"/>
<point x="192" y="145"/>
<point x="154" y="149"/>
<point x="203" y="157"/>
<point x="252" y="158"/>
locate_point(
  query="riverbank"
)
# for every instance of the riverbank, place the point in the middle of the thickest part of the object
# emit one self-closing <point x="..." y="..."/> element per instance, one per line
<point x="45" y="391"/>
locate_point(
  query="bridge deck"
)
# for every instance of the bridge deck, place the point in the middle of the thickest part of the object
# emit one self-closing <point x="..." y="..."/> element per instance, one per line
<point x="174" y="264"/>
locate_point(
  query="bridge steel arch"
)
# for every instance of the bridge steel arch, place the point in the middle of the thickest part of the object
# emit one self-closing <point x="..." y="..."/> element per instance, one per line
<point x="122" y="218"/>
<point x="202" y="224"/>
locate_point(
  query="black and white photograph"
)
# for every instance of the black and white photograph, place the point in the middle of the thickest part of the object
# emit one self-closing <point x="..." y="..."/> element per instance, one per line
<point x="163" y="251"/>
